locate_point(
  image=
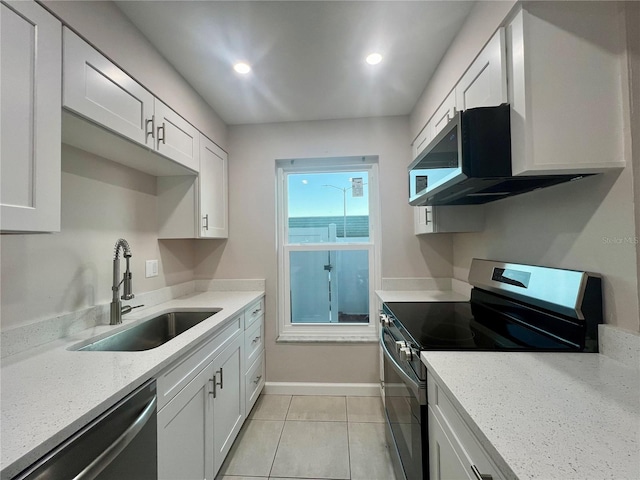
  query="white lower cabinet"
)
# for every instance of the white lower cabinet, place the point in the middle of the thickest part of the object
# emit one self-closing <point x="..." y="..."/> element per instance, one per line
<point x="198" y="425"/>
<point x="254" y="382"/>
<point x="205" y="396"/>
<point x="254" y="374"/>
<point x="454" y="451"/>
<point x="448" y="219"/>
<point x="228" y="399"/>
<point x="185" y="432"/>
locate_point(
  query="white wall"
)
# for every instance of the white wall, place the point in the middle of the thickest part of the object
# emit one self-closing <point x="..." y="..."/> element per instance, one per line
<point x="105" y="26"/>
<point x="250" y="251"/>
<point x="633" y="51"/>
<point x="49" y="274"/>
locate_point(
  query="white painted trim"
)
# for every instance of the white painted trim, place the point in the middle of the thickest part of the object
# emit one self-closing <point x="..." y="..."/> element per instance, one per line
<point x="302" y="332"/>
<point x="339" y="389"/>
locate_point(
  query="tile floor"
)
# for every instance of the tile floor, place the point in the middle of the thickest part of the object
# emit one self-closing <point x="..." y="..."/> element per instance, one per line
<point x="311" y="437"/>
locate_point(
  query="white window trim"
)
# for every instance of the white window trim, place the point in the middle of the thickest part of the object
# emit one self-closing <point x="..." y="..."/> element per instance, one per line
<point x="335" y="332"/>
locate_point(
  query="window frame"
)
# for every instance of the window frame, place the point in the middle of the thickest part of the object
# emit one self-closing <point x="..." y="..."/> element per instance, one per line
<point x="334" y="332"/>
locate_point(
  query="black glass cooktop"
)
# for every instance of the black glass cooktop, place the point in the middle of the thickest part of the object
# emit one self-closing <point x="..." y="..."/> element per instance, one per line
<point x="467" y="326"/>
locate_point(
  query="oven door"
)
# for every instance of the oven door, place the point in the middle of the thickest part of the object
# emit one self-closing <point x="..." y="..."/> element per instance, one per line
<point x="405" y="408"/>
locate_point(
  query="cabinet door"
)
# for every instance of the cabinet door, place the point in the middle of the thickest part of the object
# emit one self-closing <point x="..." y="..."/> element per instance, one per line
<point x="444" y="114"/>
<point x="574" y="123"/>
<point x="175" y="138"/>
<point x="185" y="432"/>
<point x="449" y="219"/>
<point x="97" y="89"/>
<point x="422" y="140"/>
<point x="485" y="82"/>
<point x="212" y="183"/>
<point x="423" y="220"/>
<point x="30" y="86"/>
<point x="444" y="463"/>
<point x="228" y="411"/>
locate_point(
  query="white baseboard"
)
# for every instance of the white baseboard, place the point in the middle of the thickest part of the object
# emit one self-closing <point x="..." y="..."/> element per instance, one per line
<point x="340" y="389"/>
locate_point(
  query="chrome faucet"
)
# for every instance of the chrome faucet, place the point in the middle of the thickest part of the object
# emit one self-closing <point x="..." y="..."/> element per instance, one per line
<point x="116" y="305"/>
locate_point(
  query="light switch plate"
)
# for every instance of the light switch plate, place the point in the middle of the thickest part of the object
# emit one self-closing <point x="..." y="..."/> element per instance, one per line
<point x="151" y="268"/>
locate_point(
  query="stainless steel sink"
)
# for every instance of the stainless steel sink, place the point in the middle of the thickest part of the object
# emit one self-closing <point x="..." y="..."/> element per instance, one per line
<point x="150" y="334"/>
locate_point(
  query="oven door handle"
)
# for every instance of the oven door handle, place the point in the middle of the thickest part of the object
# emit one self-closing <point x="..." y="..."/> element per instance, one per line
<point x="419" y="393"/>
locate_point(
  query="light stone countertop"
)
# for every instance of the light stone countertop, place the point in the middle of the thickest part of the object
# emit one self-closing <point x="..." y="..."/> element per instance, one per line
<point x="547" y="415"/>
<point x="49" y="392"/>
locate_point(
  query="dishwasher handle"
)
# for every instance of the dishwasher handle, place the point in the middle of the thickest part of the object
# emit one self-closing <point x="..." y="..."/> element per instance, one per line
<point x="92" y="470"/>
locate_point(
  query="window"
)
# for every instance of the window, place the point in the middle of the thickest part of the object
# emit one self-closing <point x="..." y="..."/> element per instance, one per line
<point x="328" y="263"/>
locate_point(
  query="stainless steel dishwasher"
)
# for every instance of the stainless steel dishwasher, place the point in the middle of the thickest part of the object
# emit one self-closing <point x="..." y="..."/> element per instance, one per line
<point x="119" y="444"/>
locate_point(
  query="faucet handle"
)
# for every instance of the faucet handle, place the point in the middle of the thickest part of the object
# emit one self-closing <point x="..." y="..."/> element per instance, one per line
<point x="128" y="308"/>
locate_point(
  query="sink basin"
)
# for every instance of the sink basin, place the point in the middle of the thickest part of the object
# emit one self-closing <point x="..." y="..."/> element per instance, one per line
<point x="151" y="333"/>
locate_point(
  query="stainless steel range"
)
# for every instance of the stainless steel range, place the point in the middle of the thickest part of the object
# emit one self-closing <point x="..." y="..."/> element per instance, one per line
<point x="513" y="307"/>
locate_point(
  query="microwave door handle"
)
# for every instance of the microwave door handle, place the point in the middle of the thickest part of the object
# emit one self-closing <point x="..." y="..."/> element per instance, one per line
<point x="411" y="382"/>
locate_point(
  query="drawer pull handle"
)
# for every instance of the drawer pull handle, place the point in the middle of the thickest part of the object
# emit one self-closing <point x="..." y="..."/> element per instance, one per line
<point x="256" y="339"/>
<point x="480" y="476"/>
<point x="257" y="380"/>
<point x="256" y="311"/>
<point x="213" y="392"/>
<point x="206" y="222"/>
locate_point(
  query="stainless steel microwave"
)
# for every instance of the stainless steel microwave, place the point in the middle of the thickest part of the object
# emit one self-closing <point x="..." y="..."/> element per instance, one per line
<point x="469" y="162"/>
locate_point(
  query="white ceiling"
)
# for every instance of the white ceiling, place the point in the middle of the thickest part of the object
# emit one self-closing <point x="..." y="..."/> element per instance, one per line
<point x="307" y="57"/>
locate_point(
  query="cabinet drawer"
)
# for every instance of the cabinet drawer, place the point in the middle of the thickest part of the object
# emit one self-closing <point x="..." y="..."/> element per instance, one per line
<point x="179" y="374"/>
<point x="253" y="313"/>
<point x="254" y="341"/>
<point x="254" y="381"/>
<point x="465" y="442"/>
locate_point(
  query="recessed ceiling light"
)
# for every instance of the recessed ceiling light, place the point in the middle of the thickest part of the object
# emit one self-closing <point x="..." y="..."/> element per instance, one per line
<point x="374" y="58"/>
<point x="242" y="67"/>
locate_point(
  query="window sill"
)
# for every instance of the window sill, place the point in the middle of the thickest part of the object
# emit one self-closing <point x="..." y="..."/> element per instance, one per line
<point x="294" y="338"/>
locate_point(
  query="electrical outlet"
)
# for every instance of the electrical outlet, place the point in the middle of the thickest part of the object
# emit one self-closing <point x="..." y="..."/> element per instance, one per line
<point x="151" y="268"/>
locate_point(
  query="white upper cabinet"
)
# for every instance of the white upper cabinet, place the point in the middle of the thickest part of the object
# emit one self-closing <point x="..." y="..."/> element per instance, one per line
<point x="444" y="114"/>
<point x="190" y="207"/>
<point x="484" y="84"/>
<point x="212" y="188"/>
<point x="30" y="89"/>
<point x="565" y="88"/>
<point x="448" y="219"/>
<point x="422" y="140"/>
<point x="96" y="89"/>
<point x="175" y="137"/>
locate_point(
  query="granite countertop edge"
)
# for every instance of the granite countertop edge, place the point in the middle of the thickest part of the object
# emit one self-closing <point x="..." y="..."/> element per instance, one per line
<point x="47" y="395"/>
